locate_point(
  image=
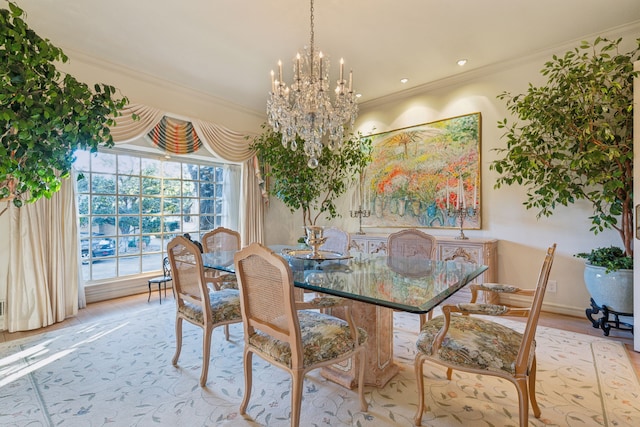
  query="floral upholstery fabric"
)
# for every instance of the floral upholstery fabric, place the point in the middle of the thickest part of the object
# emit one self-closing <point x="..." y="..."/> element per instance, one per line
<point x="324" y="337"/>
<point x="228" y="281"/>
<point x="490" y="309"/>
<point x="225" y="307"/>
<point x="498" y="287"/>
<point x="474" y="342"/>
<point x="326" y="301"/>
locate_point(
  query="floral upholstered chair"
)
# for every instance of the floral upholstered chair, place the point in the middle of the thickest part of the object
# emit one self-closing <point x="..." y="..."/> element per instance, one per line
<point x="468" y="343"/>
<point x="221" y="239"/>
<point x="195" y="303"/>
<point x="410" y="243"/>
<point x="337" y="240"/>
<point x="279" y="331"/>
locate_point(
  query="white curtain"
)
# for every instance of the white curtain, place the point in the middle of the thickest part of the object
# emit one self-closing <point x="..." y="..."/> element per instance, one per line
<point x="43" y="262"/>
<point x="232" y="196"/>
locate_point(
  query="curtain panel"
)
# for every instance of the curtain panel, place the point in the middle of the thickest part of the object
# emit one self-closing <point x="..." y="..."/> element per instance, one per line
<point x="44" y="257"/>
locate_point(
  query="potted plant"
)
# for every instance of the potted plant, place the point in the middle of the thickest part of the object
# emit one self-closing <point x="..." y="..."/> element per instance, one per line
<point x="608" y="276"/>
<point x="299" y="187"/>
<point x="45" y="115"/>
<point x="575" y="141"/>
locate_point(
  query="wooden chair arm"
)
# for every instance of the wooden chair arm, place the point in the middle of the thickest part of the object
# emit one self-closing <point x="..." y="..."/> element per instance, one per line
<point x="446" y="312"/>
<point x="497" y="288"/>
<point x="491" y="310"/>
<point x="488" y="309"/>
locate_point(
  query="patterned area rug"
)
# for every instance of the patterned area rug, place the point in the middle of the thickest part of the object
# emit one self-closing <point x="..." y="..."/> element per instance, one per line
<point x="119" y="373"/>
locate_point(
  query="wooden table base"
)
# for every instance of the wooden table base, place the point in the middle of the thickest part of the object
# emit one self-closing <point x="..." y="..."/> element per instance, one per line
<point x="378" y="323"/>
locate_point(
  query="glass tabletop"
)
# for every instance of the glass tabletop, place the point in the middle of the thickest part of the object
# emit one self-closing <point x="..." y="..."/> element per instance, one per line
<point x="408" y="284"/>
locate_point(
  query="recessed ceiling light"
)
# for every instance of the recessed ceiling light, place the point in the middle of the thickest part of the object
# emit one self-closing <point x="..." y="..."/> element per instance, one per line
<point x="358" y="95"/>
<point x="404" y="80"/>
<point x="461" y="62"/>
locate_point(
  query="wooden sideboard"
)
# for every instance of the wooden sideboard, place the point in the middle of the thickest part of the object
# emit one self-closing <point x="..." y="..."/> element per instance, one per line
<point x="480" y="251"/>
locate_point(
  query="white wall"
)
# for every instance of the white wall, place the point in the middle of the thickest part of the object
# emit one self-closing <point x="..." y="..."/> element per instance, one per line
<point x="151" y="91"/>
<point x="523" y="237"/>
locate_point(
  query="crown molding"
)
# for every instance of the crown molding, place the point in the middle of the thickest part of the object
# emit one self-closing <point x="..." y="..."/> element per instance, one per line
<point x="630" y="29"/>
<point x="76" y="55"/>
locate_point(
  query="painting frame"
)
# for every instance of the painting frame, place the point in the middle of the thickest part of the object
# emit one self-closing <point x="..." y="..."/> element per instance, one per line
<point x="425" y="176"/>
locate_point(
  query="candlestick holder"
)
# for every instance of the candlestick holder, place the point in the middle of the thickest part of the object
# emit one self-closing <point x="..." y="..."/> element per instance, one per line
<point x="360" y="213"/>
<point x="461" y="214"/>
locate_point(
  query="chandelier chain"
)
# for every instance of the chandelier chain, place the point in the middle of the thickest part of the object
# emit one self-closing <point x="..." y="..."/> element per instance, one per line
<point x="312" y="32"/>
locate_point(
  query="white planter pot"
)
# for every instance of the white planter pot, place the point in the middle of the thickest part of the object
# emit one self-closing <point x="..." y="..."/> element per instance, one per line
<point x="613" y="290"/>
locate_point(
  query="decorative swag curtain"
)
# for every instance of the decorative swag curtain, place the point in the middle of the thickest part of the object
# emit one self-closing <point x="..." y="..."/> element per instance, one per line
<point x="175" y="136"/>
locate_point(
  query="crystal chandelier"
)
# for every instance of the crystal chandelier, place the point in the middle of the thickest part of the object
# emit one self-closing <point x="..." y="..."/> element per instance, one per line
<point x="305" y="108"/>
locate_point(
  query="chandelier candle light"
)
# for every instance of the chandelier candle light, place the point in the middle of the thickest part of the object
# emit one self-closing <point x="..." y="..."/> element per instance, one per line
<point x="305" y="109"/>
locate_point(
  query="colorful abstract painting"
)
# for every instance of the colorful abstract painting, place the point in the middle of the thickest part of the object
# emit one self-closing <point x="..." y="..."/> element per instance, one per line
<point x="425" y="176"/>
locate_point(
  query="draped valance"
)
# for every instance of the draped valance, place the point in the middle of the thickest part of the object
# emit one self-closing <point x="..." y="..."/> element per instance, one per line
<point x="176" y="135"/>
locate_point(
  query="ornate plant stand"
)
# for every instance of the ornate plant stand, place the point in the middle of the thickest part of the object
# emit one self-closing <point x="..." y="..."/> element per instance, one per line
<point x="606" y="323"/>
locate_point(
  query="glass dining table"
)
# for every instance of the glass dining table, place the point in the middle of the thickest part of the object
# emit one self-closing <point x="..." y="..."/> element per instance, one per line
<point x="378" y="285"/>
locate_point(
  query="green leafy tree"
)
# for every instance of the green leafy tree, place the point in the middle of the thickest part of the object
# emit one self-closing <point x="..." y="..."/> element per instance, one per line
<point x="575" y="136"/>
<point x="44" y="115"/>
<point x="311" y="189"/>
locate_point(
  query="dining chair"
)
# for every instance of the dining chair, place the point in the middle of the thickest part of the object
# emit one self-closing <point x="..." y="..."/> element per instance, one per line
<point x="195" y="302"/>
<point x="277" y="330"/>
<point x="166" y="277"/>
<point x="477" y="345"/>
<point x="410" y="243"/>
<point x="337" y="240"/>
<point x="221" y="239"/>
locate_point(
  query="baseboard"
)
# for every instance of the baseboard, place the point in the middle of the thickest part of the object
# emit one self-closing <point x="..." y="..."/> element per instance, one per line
<point x="513" y="300"/>
<point x="121" y="288"/>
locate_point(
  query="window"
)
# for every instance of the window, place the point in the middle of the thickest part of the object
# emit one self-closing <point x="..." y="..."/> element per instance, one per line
<point x="130" y="206"/>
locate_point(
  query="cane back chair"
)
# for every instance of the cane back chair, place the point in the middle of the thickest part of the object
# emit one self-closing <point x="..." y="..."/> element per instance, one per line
<point x="195" y="303"/>
<point x="276" y="329"/>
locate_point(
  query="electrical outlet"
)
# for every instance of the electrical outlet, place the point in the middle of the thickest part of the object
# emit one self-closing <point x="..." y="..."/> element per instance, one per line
<point x="552" y="286"/>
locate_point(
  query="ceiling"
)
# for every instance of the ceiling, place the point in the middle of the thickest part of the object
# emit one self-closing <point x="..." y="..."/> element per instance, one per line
<point x="227" y="48"/>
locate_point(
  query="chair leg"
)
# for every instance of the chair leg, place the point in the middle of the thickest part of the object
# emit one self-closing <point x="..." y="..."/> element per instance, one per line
<point x="362" y="359"/>
<point x="248" y="372"/>
<point x="178" y="341"/>
<point x="523" y="401"/>
<point x="160" y="291"/>
<point x="449" y="373"/>
<point x="532" y="389"/>
<point x="226" y="332"/>
<point x="297" y="381"/>
<point x="206" y="353"/>
<point x="417" y="419"/>
<point x="149" y="298"/>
